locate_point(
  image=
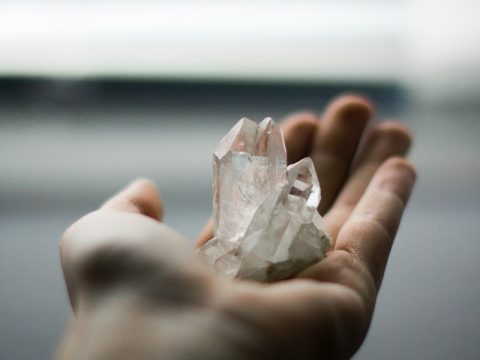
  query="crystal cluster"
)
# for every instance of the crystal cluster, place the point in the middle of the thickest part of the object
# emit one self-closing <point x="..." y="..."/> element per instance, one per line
<point x="266" y="223"/>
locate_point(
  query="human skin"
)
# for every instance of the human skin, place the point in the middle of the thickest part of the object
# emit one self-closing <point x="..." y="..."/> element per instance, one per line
<point x="139" y="291"/>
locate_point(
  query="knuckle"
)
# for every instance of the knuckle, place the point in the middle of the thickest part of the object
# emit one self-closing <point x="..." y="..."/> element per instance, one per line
<point x="106" y="265"/>
<point x="106" y="251"/>
<point x="94" y="254"/>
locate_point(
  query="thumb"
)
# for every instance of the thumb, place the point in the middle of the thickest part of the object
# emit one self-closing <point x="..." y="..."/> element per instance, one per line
<point x="141" y="196"/>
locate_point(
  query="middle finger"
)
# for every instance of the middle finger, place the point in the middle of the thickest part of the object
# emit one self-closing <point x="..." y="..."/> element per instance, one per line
<point x="336" y="142"/>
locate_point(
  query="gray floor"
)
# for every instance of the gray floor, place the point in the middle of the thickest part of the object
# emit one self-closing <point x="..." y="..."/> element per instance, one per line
<point x="57" y="163"/>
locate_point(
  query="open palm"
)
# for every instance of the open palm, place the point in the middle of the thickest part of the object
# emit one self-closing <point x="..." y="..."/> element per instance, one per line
<point x="139" y="291"/>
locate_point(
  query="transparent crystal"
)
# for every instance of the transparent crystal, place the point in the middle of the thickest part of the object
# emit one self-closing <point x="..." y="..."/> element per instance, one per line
<point x="266" y="223"/>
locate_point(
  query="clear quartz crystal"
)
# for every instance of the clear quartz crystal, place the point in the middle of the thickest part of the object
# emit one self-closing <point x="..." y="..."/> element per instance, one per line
<point x="266" y="223"/>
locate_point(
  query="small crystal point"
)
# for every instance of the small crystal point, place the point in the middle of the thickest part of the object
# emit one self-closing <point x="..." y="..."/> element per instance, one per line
<point x="264" y="131"/>
<point x="240" y="138"/>
<point x="266" y="224"/>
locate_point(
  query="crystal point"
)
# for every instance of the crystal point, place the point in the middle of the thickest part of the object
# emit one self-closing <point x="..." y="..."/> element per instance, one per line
<point x="266" y="223"/>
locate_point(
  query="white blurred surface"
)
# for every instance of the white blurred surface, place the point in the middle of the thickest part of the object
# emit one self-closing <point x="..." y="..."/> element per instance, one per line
<point x="297" y="40"/>
<point x="442" y="50"/>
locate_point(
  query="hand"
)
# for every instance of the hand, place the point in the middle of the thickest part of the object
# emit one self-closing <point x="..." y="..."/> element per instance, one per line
<point x="139" y="291"/>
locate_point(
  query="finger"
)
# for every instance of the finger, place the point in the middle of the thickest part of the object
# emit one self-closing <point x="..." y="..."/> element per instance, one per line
<point x="106" y="249"/>
<point x="369" y="232"/>
<point x="364" y="242"/>
<point x="298" y="130"/>
<point x="141" y="196"/>
<point x="386" y="140"/>
<point x="336" y="142"/>
<point x="206" y="233"/>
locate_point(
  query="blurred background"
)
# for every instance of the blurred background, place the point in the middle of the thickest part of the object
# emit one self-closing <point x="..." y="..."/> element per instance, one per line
<point x="96" y="93"/>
